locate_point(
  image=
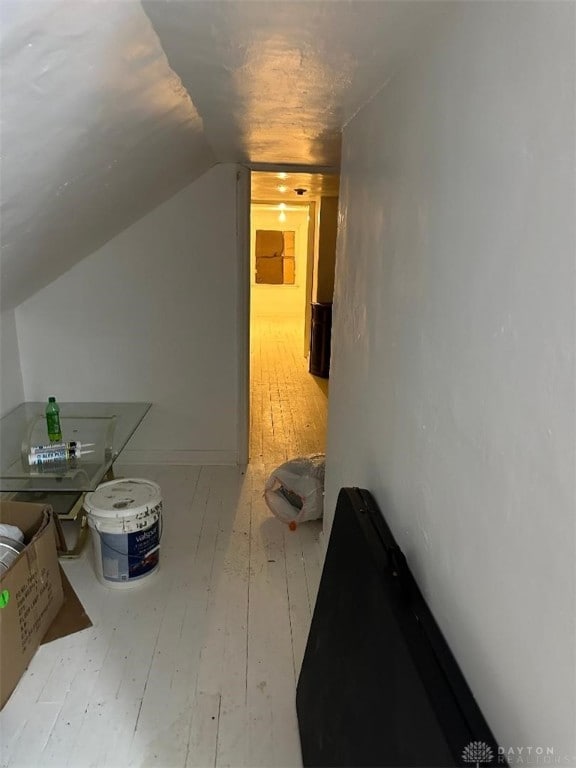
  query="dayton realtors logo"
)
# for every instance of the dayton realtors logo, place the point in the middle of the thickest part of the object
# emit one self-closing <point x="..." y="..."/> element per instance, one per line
<point x="477" y="753"/>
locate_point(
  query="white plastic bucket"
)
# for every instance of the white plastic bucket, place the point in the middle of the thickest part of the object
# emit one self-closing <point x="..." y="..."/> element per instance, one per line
<point x="125" y="517"/>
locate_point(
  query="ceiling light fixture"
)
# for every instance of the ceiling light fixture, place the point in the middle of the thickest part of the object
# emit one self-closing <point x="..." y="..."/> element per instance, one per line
<point x="281" y="175"/>
<point x="282" y="188"/>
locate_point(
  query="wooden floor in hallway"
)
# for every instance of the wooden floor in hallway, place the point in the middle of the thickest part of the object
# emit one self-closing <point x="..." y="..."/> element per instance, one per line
<point x="198" y="665"/>
<point x="288" y="406"/>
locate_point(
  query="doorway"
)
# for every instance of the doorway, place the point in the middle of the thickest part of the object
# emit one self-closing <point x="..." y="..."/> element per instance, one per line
<point x="288" y="405"/>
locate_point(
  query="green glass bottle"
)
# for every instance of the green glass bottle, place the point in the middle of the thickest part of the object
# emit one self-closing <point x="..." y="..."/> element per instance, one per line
<point x="53" y="420"/>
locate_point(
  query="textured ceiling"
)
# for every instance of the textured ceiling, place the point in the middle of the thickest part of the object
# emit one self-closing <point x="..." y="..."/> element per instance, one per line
<point x="275" y="81"/>
<point x="111" y="106"/>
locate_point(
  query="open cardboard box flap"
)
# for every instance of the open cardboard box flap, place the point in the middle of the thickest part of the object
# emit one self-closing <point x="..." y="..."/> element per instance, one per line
<point x="71" y="617"/>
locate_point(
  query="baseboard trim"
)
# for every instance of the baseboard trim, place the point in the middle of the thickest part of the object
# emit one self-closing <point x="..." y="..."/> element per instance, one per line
<point x="194" y="458"/>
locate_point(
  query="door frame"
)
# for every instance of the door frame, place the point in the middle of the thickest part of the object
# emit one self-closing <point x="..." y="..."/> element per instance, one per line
<point x="243" y="191"/>
<point x="243" y="229"/>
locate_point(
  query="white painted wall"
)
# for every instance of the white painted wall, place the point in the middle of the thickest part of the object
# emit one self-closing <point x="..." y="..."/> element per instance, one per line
<point x="11" y="386"/>
<point x="151" y="316"/>
<point x="280" y="300"/>
<point x="452" y="383"/>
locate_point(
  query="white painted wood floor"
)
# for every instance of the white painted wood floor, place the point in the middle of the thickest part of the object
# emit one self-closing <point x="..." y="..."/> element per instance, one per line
<point x="198" y="665"/>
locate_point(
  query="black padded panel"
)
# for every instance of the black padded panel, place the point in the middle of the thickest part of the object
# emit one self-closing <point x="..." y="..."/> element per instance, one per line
<point x="379" y="685"/>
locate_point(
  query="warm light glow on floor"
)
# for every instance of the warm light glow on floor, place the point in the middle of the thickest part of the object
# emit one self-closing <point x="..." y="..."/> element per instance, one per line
<point x="288" y="406"/>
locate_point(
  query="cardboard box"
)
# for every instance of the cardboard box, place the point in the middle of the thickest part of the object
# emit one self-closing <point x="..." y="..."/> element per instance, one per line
<point x="31" y="593"/>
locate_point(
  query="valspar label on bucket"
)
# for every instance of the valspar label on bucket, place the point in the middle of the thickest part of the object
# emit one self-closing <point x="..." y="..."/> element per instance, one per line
<point x="130" y="555"/>
<point x="126" y="521"/>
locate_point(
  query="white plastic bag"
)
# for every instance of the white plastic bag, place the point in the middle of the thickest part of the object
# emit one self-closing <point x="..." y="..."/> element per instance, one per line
<point x="294" y="491"/>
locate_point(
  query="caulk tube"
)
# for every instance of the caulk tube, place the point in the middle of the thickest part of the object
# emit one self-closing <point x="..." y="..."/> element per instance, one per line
<point x="34" y="449"/>
<point x="54" y="456"/>
<point x="58" y="446"/>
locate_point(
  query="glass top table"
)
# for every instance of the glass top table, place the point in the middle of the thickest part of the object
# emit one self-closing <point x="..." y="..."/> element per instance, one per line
<point x="106" y="426"/>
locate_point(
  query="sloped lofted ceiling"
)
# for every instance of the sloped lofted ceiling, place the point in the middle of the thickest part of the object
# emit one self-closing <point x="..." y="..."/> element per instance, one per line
<point x="96" y="131"/>
<point x="111" y="106"/>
